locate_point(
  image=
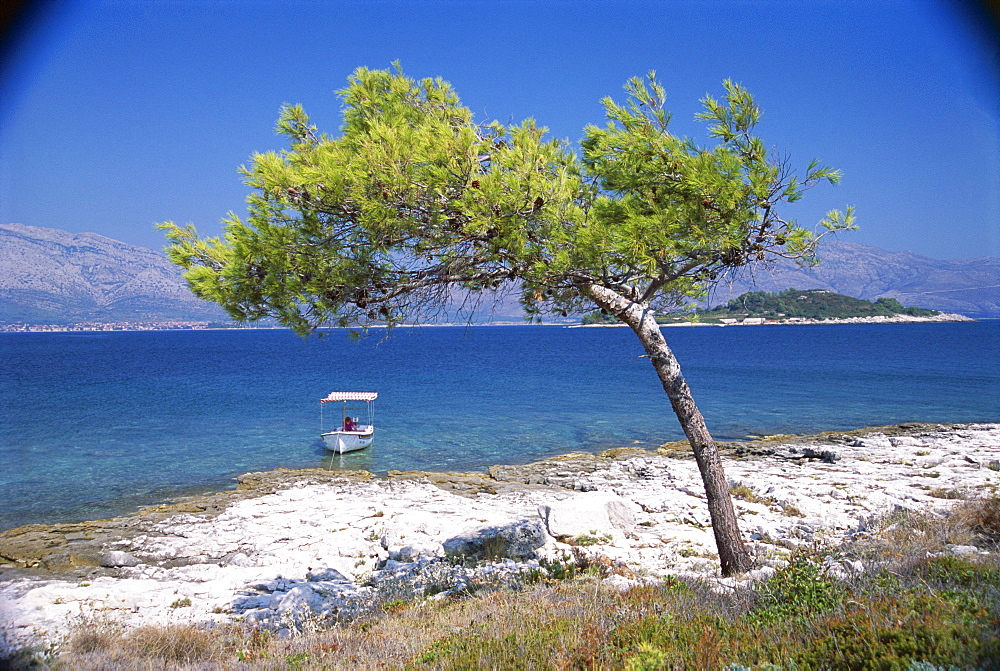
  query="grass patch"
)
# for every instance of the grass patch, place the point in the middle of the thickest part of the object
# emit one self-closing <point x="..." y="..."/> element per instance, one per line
<point x="788" y="510"/>
<point x="982" y="516"/>
<point x="105" y="644"/>
<point x="585" y="540"/>
<point x="947" y="493"/>
<point x="741" y="491"/>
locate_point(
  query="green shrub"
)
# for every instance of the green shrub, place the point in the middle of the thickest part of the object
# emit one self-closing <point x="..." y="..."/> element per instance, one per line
<point x="951" y="571"/>
<point x="895" y="632"/>
<point x="799" y="590"/>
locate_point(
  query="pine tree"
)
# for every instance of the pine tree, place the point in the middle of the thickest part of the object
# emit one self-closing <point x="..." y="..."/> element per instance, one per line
<point x="414" y="201"/>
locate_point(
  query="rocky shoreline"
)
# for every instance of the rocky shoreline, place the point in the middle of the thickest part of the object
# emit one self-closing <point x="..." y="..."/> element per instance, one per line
<point x="879" y="319"/>
<point x="761" y="321"/>
<point x="291" y="544"/>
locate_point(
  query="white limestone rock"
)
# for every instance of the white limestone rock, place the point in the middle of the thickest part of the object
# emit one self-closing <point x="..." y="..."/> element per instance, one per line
<point x="117" y="558"/>
<point x="963" y="550"/>
<point x="518" y="540"/>
<point x="589" y="514"/>
<point x="300" y="599"/>
<point x="327" y="548"/>
<point x="876" y="441"/>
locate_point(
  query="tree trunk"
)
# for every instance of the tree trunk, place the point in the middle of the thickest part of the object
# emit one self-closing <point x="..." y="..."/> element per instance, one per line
<point x="732" y="552"/>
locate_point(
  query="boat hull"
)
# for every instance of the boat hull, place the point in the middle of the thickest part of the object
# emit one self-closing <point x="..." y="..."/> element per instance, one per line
<point x="348" y="441"/>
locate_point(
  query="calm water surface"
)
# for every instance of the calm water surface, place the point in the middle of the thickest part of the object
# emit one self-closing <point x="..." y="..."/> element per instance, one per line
<point x="95" y="424"/>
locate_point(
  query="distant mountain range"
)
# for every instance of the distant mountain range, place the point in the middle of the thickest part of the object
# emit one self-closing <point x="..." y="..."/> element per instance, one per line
<point x="49" y="276"/>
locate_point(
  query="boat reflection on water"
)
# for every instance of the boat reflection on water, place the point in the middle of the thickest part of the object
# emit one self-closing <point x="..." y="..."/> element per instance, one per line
<point x="361" y="460"/>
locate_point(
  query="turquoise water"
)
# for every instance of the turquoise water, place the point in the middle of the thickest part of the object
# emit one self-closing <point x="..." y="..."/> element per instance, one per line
<point x="95" y="424"/>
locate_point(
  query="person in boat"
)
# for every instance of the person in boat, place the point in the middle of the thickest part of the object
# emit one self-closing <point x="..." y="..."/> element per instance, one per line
<point x="348" y="424"/>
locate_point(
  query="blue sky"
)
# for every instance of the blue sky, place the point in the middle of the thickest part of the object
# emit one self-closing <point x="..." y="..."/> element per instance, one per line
<point x="116" y="114"/>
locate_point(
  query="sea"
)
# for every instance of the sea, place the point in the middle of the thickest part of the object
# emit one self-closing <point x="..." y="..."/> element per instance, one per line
<point x="98" y="424"/>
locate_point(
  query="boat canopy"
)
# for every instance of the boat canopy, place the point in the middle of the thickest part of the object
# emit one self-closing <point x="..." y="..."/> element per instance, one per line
<point x="350" y="396"/>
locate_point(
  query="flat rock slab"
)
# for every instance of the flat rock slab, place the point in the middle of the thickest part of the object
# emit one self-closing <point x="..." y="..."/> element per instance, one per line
<point x="593" y="516"/>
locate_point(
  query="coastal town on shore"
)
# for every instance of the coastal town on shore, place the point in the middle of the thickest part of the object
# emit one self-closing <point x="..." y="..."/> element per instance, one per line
<point x="205" y="325"/>
<point x="107" y="326"/>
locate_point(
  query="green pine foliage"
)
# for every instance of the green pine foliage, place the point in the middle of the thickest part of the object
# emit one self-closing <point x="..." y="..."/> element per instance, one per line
<point x="414" y="203"/>
<point x="415" y="208"/>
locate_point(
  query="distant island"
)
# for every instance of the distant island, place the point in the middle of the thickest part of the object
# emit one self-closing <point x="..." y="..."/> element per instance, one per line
<point x="795" y="306"/>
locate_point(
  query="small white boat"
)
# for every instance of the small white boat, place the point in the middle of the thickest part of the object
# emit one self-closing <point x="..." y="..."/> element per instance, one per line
<point x="351" y="434"/>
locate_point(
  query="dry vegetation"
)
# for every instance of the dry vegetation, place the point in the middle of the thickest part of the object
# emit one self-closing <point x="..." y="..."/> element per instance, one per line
<point x="916" y="606"/>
